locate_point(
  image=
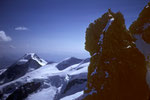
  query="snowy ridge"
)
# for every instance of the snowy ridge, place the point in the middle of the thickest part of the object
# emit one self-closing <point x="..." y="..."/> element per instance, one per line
<point x="54" y="82"/>
<point x="68" y="62"/>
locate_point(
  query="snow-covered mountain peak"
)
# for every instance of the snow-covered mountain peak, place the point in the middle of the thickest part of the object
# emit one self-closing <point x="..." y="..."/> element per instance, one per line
<point x="29" y="62"/>
<point x="31" y="56"/>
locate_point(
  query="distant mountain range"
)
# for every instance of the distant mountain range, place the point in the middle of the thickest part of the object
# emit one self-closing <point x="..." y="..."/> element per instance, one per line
<point x="32" y="78"/>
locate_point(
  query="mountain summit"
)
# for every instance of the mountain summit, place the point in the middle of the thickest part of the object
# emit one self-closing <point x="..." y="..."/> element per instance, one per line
<point x="27" y="63"/>
<point x="32" y="56"/>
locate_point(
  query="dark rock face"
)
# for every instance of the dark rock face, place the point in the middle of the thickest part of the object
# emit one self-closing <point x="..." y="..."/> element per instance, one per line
<point x="142" y="24"/>
<point x="117" y="68"/>
<point x="23" y="91"/>
<point x="140" y="28"/>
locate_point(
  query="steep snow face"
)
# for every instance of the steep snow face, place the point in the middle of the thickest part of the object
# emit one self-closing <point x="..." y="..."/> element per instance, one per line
<point x="54" y="83"/>
<point x="68" y="62"/>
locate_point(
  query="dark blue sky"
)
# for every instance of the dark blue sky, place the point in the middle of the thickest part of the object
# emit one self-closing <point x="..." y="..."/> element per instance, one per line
<point x="55" y="29"/>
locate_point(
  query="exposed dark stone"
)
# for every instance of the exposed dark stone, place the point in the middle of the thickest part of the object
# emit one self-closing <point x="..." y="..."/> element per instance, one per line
<point x="142" y="24"/>
<point x="117" y="69"/>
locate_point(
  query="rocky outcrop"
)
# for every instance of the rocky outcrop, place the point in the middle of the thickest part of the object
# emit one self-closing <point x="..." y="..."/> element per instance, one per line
<point x="23" y="91"/>
<point x="140" y="29"/>
<point x="142" y="25"/>
<point x="117" y="69"/>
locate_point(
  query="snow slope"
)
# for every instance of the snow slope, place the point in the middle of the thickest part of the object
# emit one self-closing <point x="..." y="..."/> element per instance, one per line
<point x="73" y="97"/>
<point x="55" y="83"/>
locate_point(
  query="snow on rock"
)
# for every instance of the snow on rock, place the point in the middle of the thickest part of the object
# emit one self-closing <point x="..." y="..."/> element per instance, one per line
<point x="2" y="70"/>
<point x="147" y="6"/>
<point x="105" y="30"/>
<point x="129" y="46"/>
<point x="146" y="25"/>
<point x="94" y="72"/>
<point x="106" y="74"/>
<point x="93" y="91"/>
<point x="94" y="54"/>
<point x="108" y="24"/>
<point x="101" y="39"/>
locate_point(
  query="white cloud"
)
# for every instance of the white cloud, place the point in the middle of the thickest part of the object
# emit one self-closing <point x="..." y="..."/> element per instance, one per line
<point x="4" y="37"/>
<point x="21" y="28"/>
